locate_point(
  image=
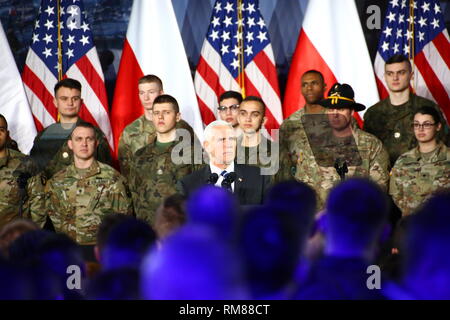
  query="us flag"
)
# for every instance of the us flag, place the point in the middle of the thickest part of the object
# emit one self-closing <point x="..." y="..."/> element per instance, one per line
<point x="237" y="55"/>
<point x="62" y="46"/>
<point x="417" y="30"/>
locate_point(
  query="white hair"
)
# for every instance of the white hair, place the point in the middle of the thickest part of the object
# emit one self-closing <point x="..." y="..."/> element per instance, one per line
<point x="209" y="130"/>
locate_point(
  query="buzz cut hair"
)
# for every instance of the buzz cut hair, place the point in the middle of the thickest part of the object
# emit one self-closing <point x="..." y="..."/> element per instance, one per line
<point x="209" y="130"/>
<point x="231" y="94"/>
<point x="259" y="100"/>
<point x="68" y="83"/>
<point x="398" y="58"/>
<point x="84" y="125"/>
<point x="151" y="78"/>
<point x="4" y="119"/>
<point x="165" y="98"/>
<point x="313" y="71"/>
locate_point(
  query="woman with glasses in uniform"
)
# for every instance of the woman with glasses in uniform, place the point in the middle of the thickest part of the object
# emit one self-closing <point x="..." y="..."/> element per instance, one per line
<point x="422" y="171"/>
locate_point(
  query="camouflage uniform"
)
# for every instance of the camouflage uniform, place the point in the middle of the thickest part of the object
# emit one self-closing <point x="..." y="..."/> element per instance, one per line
<point x="137" y="135"/>
<point x="153" y="176"/>
<point x="76" y="202"/>
<point x="297" y="159"/>
<point x="392" y="124"/>
<point x="10" y="169"/>
<point x="53" y="154"/>
<point x="415" y="177"/>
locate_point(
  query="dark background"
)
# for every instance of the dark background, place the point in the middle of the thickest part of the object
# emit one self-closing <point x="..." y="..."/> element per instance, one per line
<point x="109" y="21"/>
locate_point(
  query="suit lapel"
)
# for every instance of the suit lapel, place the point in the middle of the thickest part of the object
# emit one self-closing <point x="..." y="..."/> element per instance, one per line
<point x="239" y="189"/>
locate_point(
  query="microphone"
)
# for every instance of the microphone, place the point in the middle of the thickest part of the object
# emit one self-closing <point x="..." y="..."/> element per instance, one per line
<point x="213" y="177"/>
<point x="228" y="180"/>
<point x="341" y="167"/>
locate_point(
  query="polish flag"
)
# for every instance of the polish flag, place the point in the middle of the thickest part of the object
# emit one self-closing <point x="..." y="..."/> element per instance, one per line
<point x="13" y="101"/>
<point x="332" y="41"/>
<point x="153" y="45"/>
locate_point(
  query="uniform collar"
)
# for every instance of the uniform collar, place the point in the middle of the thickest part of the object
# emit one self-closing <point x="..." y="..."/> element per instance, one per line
<point x="437" y="154"/>
<point x="4" y="161"/>
<point x="147" y="125"/>
<point x="93" y="170"/>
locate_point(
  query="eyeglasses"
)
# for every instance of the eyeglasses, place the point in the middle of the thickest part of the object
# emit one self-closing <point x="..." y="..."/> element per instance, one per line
<point x="233" y="108"/>
<point x="425" y="126"/>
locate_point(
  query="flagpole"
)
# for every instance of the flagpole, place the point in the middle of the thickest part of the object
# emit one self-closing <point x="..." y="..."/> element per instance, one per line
<point x="411" y="40"/>
<point x="241" y="78"/>
<point x="60" y="75"/>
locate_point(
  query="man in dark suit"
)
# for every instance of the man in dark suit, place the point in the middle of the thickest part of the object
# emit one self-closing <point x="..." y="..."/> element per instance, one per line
<point x="246" y="182"/>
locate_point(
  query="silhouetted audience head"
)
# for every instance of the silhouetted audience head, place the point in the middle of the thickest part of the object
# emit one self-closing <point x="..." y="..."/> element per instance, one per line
<point x="356" y="212"/>
<point x="295" y="198"/>
<point x="170" y="215"/>
<point x="270" y="243"/>
<point x="62" y="256"/>
<point x="214" y="207"/>
<point x="109" y="221"/>
<point x="12" y="231"/>
<point x="25" y="249"/>
<point x="14" y="282"/>
<point x="127" y="244"/>
<point x="116" y="284"/>
<point x="192" y="264"/>
<point x="426" y="262"/>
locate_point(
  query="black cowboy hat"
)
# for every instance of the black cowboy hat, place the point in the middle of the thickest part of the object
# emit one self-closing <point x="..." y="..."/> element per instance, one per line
<point x="341" y="96"/>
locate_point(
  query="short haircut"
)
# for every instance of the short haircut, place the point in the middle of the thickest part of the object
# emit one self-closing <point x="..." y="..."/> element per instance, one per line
<point x="430" y="111"/>
<point x="165" y="98"/>
<point x="357" y="210"/>
<point x="109" y="221"/>
<point x="84" y="125"/>
<point x="171" y="215"/>
<point x="315" y="72"/>
<point x="208" y="133"/>
<point x="231" y="94"/>
<point x="151" y="78"/>
<point x="427" y="239"/>
<point x="68" y="83"/>
<point x="6" y="122"/>
<point x="398" y="58"/>
<point x="256" y="99"/>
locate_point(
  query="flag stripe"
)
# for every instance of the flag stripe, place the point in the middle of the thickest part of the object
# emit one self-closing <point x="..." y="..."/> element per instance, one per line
<point x="40" y="113"/>
<point x="41" y="95"/>
<point x="94" y="81"/>
<point x="441" y="44"/>
<point x="252" y="90"/>
<point x="209" y="76"/>
<point x="432" y="82"/>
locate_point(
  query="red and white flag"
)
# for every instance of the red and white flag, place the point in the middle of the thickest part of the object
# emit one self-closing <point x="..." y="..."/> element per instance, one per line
<point x="331" y="41"/>
<point x="425" y="40"/>
<point x="237" y="55"/>
<point x="62" y="47"/>
<point x="153" y="45"/>
<point x="13" y="101"/>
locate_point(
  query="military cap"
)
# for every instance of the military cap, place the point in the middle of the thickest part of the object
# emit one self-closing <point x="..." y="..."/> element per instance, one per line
<point x="341" y="96"/>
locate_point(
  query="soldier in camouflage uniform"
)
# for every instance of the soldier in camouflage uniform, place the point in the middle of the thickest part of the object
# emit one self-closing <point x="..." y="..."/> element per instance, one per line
<point x="50" y="150"/>
<point x="390" y="119"/>
<point x="80" y="195"/>
<point x="420" y="172"/>
<point x="154" y="172"/>
<point x="308" y="140"/>
<point x="14" y="169"/>
<point x="142" y="132"/>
